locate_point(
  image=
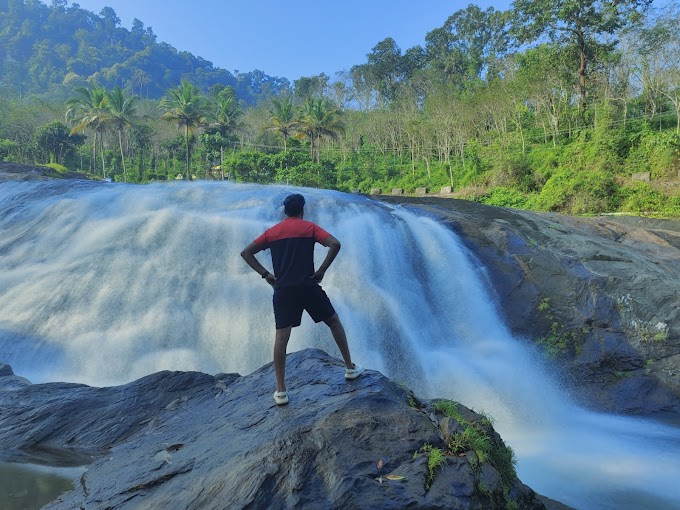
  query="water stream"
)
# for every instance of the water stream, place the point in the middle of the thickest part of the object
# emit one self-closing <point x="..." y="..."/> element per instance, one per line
<point x="30" y="486"/>
<point x="104" y="283"/>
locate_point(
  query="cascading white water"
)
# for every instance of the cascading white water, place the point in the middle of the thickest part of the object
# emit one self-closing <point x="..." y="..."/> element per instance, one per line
<point x="103" y="283"/>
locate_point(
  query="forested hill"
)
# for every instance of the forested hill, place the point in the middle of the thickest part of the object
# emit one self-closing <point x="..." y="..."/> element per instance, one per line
<point x="50" y="50"/>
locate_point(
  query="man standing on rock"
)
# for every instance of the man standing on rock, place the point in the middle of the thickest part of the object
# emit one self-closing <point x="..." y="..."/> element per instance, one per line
<point x="296" y="284"/>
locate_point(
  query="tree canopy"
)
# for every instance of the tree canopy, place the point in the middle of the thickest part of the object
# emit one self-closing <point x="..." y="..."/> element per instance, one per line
<point x="50" y="50"/>
<point x="552" y="106"/>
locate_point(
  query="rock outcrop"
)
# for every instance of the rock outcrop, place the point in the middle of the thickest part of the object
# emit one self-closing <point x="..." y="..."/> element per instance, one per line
<point x="22" y="172"/>
<point x="600" y="295"/>
<point x="195" y="441"/>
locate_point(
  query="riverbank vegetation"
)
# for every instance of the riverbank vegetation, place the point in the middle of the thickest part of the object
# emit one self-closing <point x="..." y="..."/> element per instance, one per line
<point x="572" y="110"/>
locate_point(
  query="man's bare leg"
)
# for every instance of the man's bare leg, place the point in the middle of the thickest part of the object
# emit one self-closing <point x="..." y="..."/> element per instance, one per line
<point x="338" y="332"/>
<point x="280" y="344"/>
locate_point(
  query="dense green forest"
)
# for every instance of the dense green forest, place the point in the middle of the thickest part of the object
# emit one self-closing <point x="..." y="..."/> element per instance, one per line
<point x="549" y="106"/>
<point x="48" y="51"/>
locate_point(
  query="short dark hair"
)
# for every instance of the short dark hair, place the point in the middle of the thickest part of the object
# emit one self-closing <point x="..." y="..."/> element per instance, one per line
<point x="293" y="204"/>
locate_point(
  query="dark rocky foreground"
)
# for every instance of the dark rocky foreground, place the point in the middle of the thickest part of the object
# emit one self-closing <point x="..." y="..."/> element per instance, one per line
<point x="601" y="295"/>
<point x="187" y="440"/>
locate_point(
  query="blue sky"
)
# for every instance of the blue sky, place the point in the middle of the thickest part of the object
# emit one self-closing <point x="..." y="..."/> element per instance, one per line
<point x="285" y="38"/>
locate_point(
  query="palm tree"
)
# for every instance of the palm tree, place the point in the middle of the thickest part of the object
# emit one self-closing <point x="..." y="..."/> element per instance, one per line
<point x="225" y="120"/>
<point x="122" y="115"/>
<point x="88" y="110"/>
<point x="320" y="119"/>
<point x="283" y="119"/>
<point x="185" y="106"/>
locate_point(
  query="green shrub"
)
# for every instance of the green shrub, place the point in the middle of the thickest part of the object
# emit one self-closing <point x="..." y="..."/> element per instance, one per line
<point x="6" y="148"/>
<point x="435" y="459"/>
<point x="505" y="197"/>
<point x="655" y="152"/>
<point x="641" y="198"/>
<point x="585" y="192"/>
<point x="57" y="167"/>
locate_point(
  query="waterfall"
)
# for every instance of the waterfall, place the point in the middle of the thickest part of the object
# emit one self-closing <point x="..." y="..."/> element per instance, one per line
<point x="103" y="283"/>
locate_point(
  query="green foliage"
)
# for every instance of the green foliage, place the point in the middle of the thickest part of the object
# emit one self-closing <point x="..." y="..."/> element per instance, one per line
<point x="435" y="459"/>
<point x="505" y="130"/>
<point x="559" y="340"/>
<point x="512" y="505"/>
<point x="450" y="409"/>
<point x="577" y="192"/>
<point x="54" y="143"/>
<point x="52" y="49"/>
<point x="186" y="107"/>
<point x="472" y="438"/>
<point x="654" y="151"/>
<point x="250" y="166"/>
<point x="505" y="197"/>
<point x="641" y="198"/>
<point x="6" y="148"/>
<point x="60" y="169"/>
<point x="478" y="437"/>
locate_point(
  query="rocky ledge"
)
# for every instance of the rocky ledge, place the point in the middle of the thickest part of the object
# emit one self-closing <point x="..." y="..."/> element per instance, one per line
<point x="598" y="295"/>
<point x="22" y="172"/>
<point x="195" y="441"/>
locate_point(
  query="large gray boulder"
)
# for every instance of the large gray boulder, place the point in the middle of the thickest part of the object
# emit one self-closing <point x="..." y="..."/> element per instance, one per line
<point x="194" y="441"/>
<point x="599" y="295"/>
<point x="72" y="424"/>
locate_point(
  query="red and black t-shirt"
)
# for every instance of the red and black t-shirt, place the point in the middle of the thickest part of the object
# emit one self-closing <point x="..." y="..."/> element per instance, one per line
<point x="292" y="245"/>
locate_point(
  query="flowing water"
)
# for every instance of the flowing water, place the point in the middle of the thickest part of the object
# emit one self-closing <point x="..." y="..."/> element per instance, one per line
<point x="104" y="283"/>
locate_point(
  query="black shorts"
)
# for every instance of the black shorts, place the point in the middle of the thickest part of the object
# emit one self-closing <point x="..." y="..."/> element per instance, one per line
<point x="289" y="302"/>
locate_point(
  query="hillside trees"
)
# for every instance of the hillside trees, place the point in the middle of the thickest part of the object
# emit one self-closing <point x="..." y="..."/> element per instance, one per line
<point x="580" y="24"/>
<point x="186" y="107"/>
<point x="469" y="46"/>
<point x="54" y="142"/>
<point x="46" y="49"/>
<point x="225" y="118"/>
<point x="657" y="46"/>
<point x="87" y="110"/>
<point x="121" y="115"/>
<point x="320" y="119"/>
<point x="470" y="109"/>
<point x="283" y="119"/>
<point x="387" y="69"/>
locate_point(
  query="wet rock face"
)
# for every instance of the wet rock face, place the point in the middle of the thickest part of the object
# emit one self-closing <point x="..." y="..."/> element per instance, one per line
<point x="599" y="295"/>
<point x="197" y="441"/>
<point x="70" y="424"/>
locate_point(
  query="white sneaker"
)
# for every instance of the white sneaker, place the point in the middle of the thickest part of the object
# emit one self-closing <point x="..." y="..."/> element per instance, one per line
<point x="353" y="373"/>
<point x="281" y="398"/>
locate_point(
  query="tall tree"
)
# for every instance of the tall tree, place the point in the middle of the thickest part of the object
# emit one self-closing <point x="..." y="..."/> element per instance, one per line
<point x="283" y="119"/>
<point x="657" y="46"/>
<point x="122" y="115"/>
<point x="226" y="115"/>
<point x="87" y="109"/>
<point x="186" y="107"/>
<point x="387" y="66"/>
<point x="362" y="84"/>
<point x="310" y="86"/>
<point x="469" y="44"/>
<point x="580" y="24"/>
<point x="320" y="119"/>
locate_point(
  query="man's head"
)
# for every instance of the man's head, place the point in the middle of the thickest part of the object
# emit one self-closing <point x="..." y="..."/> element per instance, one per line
<point x="293" y="205"/>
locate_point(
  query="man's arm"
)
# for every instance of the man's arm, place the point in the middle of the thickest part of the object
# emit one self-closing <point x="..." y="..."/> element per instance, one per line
<point x="248" y="254"/>
<point x="333" y="246"/>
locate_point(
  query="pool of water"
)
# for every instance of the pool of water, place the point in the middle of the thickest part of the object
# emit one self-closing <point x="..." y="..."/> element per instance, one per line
<point x="29" y="486"/>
